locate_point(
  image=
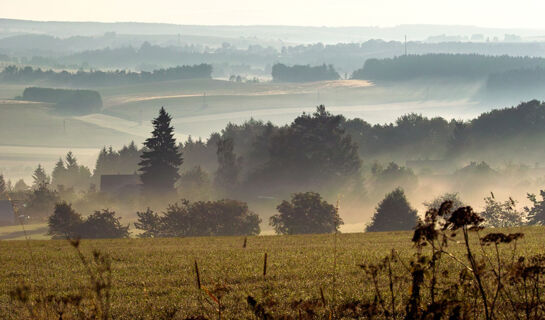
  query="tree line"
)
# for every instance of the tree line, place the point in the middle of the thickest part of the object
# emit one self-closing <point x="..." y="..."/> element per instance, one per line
<point x="330" y="146"/>
<point x="321" y="149"/>
<point x="14" y="74"/>
<point x="321" y="152"/>
<point x="312" y="152"/>
<point x="66" y="100"/>
<point x="462" y="66"/>
<point x="303" y="73"/>
<point x="347" y="57"/>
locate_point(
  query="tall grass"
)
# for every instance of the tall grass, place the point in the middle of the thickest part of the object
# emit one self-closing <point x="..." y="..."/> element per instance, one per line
<point x="492" y="279"/>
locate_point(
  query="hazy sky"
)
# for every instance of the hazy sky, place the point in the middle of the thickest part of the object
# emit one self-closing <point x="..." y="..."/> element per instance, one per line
<point x="486" y="13"/>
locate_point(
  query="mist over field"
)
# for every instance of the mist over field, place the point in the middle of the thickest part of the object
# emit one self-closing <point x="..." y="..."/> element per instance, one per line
<point x="214" y="83"/>
<point x="229" y="169"/>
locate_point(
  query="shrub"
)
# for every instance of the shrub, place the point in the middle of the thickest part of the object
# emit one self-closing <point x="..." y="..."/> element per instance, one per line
<point x="150" y="223"/>
<point x="536" y="214"/>
<point x="306" y="213"/>
<point x="453" y="198"/>
<point x="103" y="224"/>
<point x="202" y="218"/>
<point x="64" y="222"/>
<point x="393" y="213"/>
<point x="502" y="214"/>
<point x="67" y="223"/>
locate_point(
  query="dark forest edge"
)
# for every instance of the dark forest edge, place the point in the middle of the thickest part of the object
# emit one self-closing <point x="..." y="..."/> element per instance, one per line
<point x="14" y="74"/>
<point x="65" y="100"/>
<point x="463" y="66"/>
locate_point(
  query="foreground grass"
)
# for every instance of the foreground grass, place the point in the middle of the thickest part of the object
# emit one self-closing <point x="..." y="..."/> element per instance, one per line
<point x="152" y="277"/>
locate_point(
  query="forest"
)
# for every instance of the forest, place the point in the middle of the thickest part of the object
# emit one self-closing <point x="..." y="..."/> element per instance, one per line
<point x="461" y="66"/>
<point x="112" y="50"/>
<point x="299" y="73"/>
<point x="321" y="147"/>
<point x="257" y="161"/>
<point x="14" y="74"/>
<point x="66" y="101"/>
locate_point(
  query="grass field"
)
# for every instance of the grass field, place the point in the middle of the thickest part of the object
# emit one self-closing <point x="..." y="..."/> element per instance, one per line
<point x="151" y="277"/>
<point x="36" y="231"/>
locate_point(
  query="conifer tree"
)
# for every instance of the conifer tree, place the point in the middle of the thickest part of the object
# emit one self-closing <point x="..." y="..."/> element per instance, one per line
<point x="40" y="178"/>
<point x="161" y="159"/>
<point x="59" y="174"/>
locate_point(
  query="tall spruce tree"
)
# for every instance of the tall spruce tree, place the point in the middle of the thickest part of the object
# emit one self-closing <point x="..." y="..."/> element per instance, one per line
<point x="161" y="158"/>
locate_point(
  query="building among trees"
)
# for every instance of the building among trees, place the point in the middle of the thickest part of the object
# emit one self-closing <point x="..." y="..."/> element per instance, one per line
<point x="7" y="213"/>
<point x="120" y="184"/>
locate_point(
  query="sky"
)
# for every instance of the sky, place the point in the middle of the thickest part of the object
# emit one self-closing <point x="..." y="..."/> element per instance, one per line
<point x="483" y="13"/>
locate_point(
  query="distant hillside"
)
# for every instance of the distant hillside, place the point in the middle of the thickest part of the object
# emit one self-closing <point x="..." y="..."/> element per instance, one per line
<point x="294" y="34"/>
<point x="228" y="56"/>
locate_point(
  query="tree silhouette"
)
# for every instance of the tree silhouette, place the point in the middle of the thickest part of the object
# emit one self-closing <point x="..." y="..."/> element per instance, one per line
<point x="59" y="174"/>
<point x="228" y="169"/>
<point x="64" y="222"/>
<point x="536" y="213"/>
<point x="40" y="178"/>
<point x="314" y="149"/>
<point x="393" y="213"/>
<point x="498" y="214"/>
<point x="202" y="218"/>
<point x="103" y="224"/>
<point x="161" y="160"/>
<point x="306" y="213"/>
